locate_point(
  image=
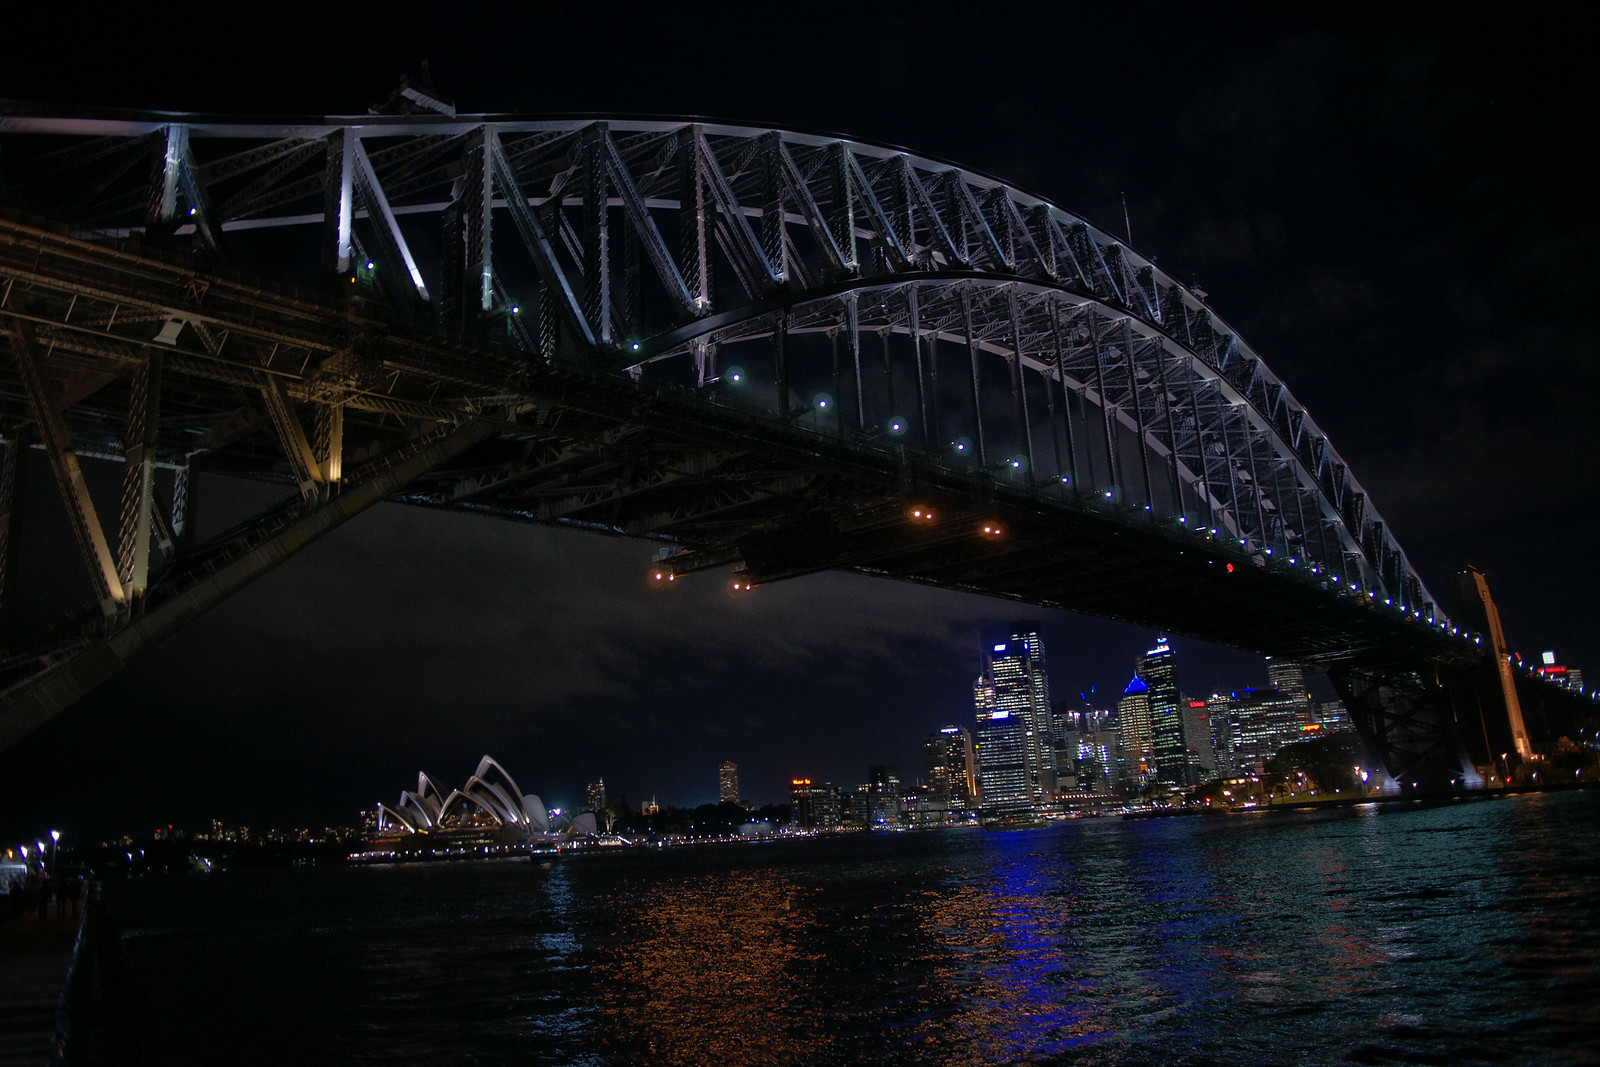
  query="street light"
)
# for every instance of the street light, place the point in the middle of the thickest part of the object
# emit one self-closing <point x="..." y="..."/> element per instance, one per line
<point x="55" y="838"/>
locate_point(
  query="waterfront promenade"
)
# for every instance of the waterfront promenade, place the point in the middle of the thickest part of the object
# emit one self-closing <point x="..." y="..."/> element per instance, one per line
<point x="35" y="954"/>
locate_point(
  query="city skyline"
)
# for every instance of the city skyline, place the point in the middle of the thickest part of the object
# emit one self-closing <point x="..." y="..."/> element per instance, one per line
<point x="1267" y="162"/>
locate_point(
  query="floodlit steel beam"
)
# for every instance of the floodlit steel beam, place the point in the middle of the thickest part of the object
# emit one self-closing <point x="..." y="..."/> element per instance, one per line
<point x="594" y="245"/>
<point x="745" y="246"/>
<point x="477" y="223"/>
<point x="887" y="238"/>
<point x="526" y="222"/>
<point x="330" y="442"/>
<point x="383" y="220"/>
<point x="165" y="184"/>
<point x="644" y="226"/>
<point x="138" y="478"/>
<point x="801" y="192"/>
<point x="340" y="188"/>
<point x="97" y="557"/>
<point x="693" y="219"/>
<point x="292" y="436"/>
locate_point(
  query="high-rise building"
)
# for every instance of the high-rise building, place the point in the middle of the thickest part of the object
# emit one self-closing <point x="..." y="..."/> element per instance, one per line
<point x="1095" y="762"/>
<point x="1551" y="671"/>
<point x="883" y="796"/>
<point x="1016" y="746"/>
<point x="1287" y="678"/>
<point x="1219" y="712"/>
<point x="597" y="795"/>
<point x="951" y="776"/>
<point x="1261" y="721"/>
<point x="1202" y="757"/>
<point x="1160" y="673"/>
<point x="1002" y="753"/>
<point x="1134" y="737"/>
<point x="801" y="812"/>
<point x="728" y="783"/>
<point x="1331" y="716"/>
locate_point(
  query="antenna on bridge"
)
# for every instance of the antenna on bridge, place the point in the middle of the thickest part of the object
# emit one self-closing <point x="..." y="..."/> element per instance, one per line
<point x="1127" y="225"/>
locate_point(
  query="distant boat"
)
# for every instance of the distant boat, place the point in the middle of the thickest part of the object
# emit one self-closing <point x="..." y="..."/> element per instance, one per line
<point x="1015" y="822"/>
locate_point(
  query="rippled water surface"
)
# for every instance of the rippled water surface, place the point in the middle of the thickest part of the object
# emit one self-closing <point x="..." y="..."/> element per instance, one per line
<point x="1458" y="934"/>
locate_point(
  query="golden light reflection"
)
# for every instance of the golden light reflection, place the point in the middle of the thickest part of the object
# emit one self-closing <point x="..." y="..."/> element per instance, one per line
<point x="699" y="971"/>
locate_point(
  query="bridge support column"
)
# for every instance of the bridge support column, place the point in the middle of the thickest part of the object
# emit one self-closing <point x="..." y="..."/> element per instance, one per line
<point x="91" y="536"/>
<point x="1406" y="718"/>
<point x="1476" y="607"/>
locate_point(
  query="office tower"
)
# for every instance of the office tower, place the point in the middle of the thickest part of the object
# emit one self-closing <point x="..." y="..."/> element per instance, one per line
<point x="1551" y="671"/>
<point x="1159" y="672"/>
<point x="1331" y="716"/>
<point x="1287" y="678"/>
<point x="1002" y="751"/>
<point x="883" y="796"/>
<point x="827" y="807"/>
<point x="801" y="812"/>
<point x="1016" y="690"/>
<point x="1262" y="721"/>
<point x="1197" y="735"/>
<point x="949" y="764"/>
<point x="1134" y="738"/>
<point x="1218" y="714"/>
<point x="597" y="795"/>
<point x="728" y="783"/>
<point x="1095" y="762"/>
<point x="1025" y="641"/>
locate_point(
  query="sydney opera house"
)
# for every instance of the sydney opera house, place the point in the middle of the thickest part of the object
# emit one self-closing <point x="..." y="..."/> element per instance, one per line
<point x="488" y="812"/>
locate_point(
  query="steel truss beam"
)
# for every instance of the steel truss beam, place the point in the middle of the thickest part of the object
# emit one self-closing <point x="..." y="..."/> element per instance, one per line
<point x="86" y="528"/>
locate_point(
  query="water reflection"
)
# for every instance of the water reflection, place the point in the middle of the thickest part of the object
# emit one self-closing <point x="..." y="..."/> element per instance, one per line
<point x="1460" y="934"/>
<point x="698" y="969"/>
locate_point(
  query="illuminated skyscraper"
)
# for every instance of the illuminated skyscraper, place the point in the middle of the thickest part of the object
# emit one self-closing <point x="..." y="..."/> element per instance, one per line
<point x="1002" y="751"/>
<point x="1134" y="735"/>
<point x="951" y="775"/>
<point x="1013" y="704"/>
<point x="1260" y="722"/>
<point x="597" y="795"/>
<point x="800" y="810"/>
<point x="1159" y="672"/>
<point x="1287" y="678"/>
<point x="728" y="783"/>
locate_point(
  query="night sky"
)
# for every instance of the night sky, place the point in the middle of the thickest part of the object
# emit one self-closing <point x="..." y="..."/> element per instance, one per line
<point x="1395" y="216"/>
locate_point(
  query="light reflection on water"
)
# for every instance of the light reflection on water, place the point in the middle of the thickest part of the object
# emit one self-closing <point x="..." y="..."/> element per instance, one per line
<point x="1460" y="934"/>
<point x="704" y="971"/>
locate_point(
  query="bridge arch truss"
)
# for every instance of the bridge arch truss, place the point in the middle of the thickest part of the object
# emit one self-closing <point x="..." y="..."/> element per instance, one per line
<point x="931" y="308"/>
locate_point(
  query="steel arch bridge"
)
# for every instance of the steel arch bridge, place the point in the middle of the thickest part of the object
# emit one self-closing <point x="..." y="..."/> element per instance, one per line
<point x="779" y="350"/>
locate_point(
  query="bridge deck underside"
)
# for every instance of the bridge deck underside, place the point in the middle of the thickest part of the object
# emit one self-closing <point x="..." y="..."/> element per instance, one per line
<point x="731" y="491"/>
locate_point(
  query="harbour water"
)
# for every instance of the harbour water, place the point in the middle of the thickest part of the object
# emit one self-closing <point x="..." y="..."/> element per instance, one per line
<point x="1458" y="934"/>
